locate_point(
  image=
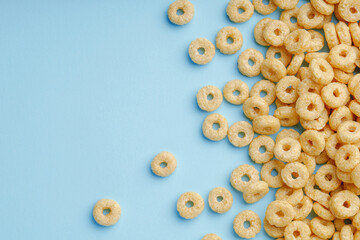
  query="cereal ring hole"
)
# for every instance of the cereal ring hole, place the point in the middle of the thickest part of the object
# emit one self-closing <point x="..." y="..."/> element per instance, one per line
<point x="241" y="10"/>
<point x="310" y="142"/>
<point x="246" y="224"/>
<point x="296" y="233"/>
<point x="311" y="107"/>
<point x="241" y="134"/>
<point x="189" y="204"/>
<point x="346" y="204"/>
<point x="293" y="20"/>
<point x="322" y="68"/>
<point x="210" y="97"/>
<point x="236" y="93"/>
<point x="353" y="10"/>
<point x="336" y="93"/>
<point x="106" y="211"/>
<point x="265" y="2"/>
<point x="289" y="89"/>
<point x="245" y="178"/>
<point x="343" y="53"/>
<point x="328" y="177"/>
<point x="163" y="165"/>
<point x="230" y="40"/>
<point x="280" y="214"/>
<point x="219" y="198"/>
<point x="311" y="15"/>
<point x="294" y="175"/>
<point x="251" y="62"/>
<point x="216" y="126"/>
<point x="201" y="51"/>
<point x="263" y="93"/>
<point x="277" y="55"/>
<point x="180" y="12"/>
<point x="262" y="149"/>
<point x="347" y="221"/>
<point x="290" y="192"/>
<point x="277" y="32"/>
<point x="352" y="129"/>
<point x="286" y="147"/>
<point x="274" y="173"/>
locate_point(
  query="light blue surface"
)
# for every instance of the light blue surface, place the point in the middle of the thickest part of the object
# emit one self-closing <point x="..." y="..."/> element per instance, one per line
<point x="90" y="92"/>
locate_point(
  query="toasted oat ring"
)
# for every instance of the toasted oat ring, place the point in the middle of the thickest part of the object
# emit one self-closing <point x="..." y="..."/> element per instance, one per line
<point x="187" y="9"/>
<point x="340" y="223"/>
<point x="233" y="7"/>
<point x="316" y="194"/>
<point x="275" y="32"/>
<point x="313" y="55"/>
<point x="308" y="17"/>
<point x="349" y="10"/>
<point x="234" y="86"/>
<point x="303" y="208"/>
<point x="279" y="104"/>
<point x="255" y="191"/>
<point x="344" y="176"/>
<point x="203" y="100"/>
<point x="280" y="53"/>
<point x="163" y="164"/>
<point x="201" y="44"/>
<point x="322" y="228"/>
<point x="286" y="4"/>
<point x="211" y="236"/>
<point x="323" y="157"/>
<point x="309" y="86"/>
<point x="355" y="176"/>
<point x="272" y="231"/>
<point x="317" y="41"/>
<point x="208" y="130"/>
<point x="295" y="64"/>
<point x="273" y="69"/>
<point x="279" y="213"/>
<point x="308" y="161"/>
<point x="309" y="106"/>
<point x="238" y="128"/>
<point x="222" y="40"/>
<point x="287" y="133"/>
<point x="343" y="32"/>
<point x="297" y="229"/>
<point x="347" y="157"/>
<point x="335" y="95"/>
<point x="298" y="41"/>
<point x="245" y="57"/>
<point x="295" y="175"/>
<point x="356" y="221"/>
<point x="243" y="171"/>
<point x="342" y="57"/>
<point x="266" y="173"/>
<point x="355" y="33"/>
<point x="266" y="125"/>
<point x="326" y="178"/>
<point x="220" y="200"/>
<point x="264" y="86"/>
<point x="354" y="107"/>
<point x="331" y="35"/>
<point x="351" y="187"/>
<point x="252" y="218"/>
<point x="290" y="195"/>
<point x="106" y="219"/>
<point x="344" y="204"/>
<point x="323" y="212"/>
<point x="339" y="115"/>
<point x="286" y="17"/>
<point x="346" y="233"/>
<point x="259" y="31"/>
<point x="254" y="107"/>
<point x="332" y="145"/>
<point x="323" y="7"/>
<point x="312" y="142"/>
<point x="263" y="9"/>
<point x="327" y="19"/>
<point x="190" y="205"/>
<point x="321" y="71"/>
<point x="287" y="149"/>
<point x="316" y="124"/>
<point x="286" y="89"/>
<point x="349" y="132"/>
<point x="255" y="146"/>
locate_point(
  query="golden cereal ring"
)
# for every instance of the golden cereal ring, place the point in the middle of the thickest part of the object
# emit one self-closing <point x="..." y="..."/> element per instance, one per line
<point x="344" y="204"/>
<point x="323" y="157"/>
<point x="343" y="32"/>
<point x="266" y="125"/>
<point x="355" y="221"/>
<point x="357" y="53"/>
<point x="295" y="175"/>
<point x="106" y="219"/>
<point x="354" y="107"/>
<point x="236" y="86"/>
<point x="308" y="17"/>
<point x="342" y="76"/>
<point x="340" y="223"/>
<point x="298" y="41"/>
<point x="309" y="86"/>
<point x="286" y="4"/>
<point x="163" y="164"/>
<point x="286" y="89"/>
<point x="245" y="57"/>
<point x="264" y="86"/>
<point x="332" y="145"/>
<point x="349" y="132"/>
<point x="235" y="131"/>
<point x="336" y="12"/>
<point x="256" y="144"/>
<point x="273" y="69"/>
<point x="286" y="17"/>
<point x="331" y="35"/>
<point x="295" y="64"/>
<point x="326" y="178"/>
<point x="321" y="71"/>
<point x="290" y="195"/>
<point x="344" y="176"/>
<point x="309" y="106"/>
<point x="327" y="131"/>
<point x="303" y="208"/>
<point x="279" y="53"/>
<point x="308" y="161"/>
<point x="279" y="213"/>
<point x="287" y="133"/>
<point x="304" y="73"/>
<point x="349" y="10"/>
<point x="335" y="95"/>
<point x="255" y="191"/>
<point x="342" y="57"/>
<point x="347" y="157"/>
<point x="190" y="205"/>
<point x="201" y="44"/>
<point x="317" y="41"/>
<point x="287" y="150"/>
<point x="346" y="233"/>
<point x="254" y="107"/>
<point x="243" y="171"/>
<point x="266" y="173"/>
<point x="222" y="40"/>
<point x="316" y="194"/>
<point x="211" y="236"/>
<point x="209" y="98"/>
<point x="272" y="231"/>
<point x="254" y="221"/>
<point x="322" y="228"/>
<point x="279" y="104"/>
<point x="317" y="124"/>
<point x="338" y="116"/>
<point x="351" y="187"/>
<point x="185" y="7"/>
<point x="313" y="55"/>
<point x="355" y="176"/>
<point x="353" y="83"/>
<point x="275" y="32"/>
<point x="259" y="31"/>
<point x="297" y="230"/>
<point x="312" y="142"/>
<point x="233" y="7"/>
<point x="263" y="9"/>
<point x="355" y="33"/>
<point x="323" y="212"/>
<point x="322" y="7"/>
<point x="287" y="116"/>
<point x="208" y="127"/>
<point x="327" y="19"/>
<point x="220" y="200"/>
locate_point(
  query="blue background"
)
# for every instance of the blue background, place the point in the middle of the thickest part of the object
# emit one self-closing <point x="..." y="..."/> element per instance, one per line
<point x="90" y="92"/>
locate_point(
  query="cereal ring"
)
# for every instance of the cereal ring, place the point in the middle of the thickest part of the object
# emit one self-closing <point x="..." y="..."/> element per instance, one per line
<point x="254" y="107"/>
<point x="186" y="10"/>
<point x="267" y="170"/>
<point x="346" y="233"/>
<point x="342" y="57"/>
<point x="355" y="221"/>
<point x="313" y="55"/>
<point x="326" y="178"/>
<point x="233" y="7"/>
<point x="322" y="7"/>
<point x="275" y="32"/>
<point x="331" y="35"/>
<point x="343" y="32"/>
<point x="279" y="213"/>
<point x="208" y="127"/>
<point x="344" y="176"/>
<point x="201" y="45"/>
<point x="303" y="208"/>
<point x="287" y="133"/>
<point x="309" y="86"/>
<point x="286" y="17"/>
<point x="287" y="116"/>
<point x="163" y="164"/>
<point x="272" y="231"/>
<point x="308" y="161"/>
<point x="240" y="134"/>
<point x="351" y="187"/>
<point x="327" y="131"/>
<point x="355" y="33"/>
<point x="347" y="157"/>
<point x="295" y="175"/>
<point x="279" y="104"/>
<point x="287" y="150"/>
<point x="286" y="4"/>
<point x="286" y="89"/>
<point x="309" y="106"/>
<point x="211" y="236"/>
<point x="342" y="76"/>
<point x="220" y="200"/>
<point x="332" y="145"/>
<point x="349" y="132"/>
<point x="298" y="41"/>
<point x="290" y="195"/>
<point x="316" y="124"/>
<point x="273" y="69"/>
<point x="209" y="98"/>
<point x="339" y="116"/>
<point x="335" y="95"/>
<point x="322" y="228"/>
<point x="254" y="221"/>
<point x="327" y="19"/>
<point x="304" y="73"/>
<point x="340" y="223"/>
<point x="259" y="31"/>
<point x="357" y="53"/>
<point x="355" y="176"/>
<point x="354" y="107"/>
<point x="255" y="146"/>
<point x="297" y="230"/>
<point x="190" y="205"/>
<point x="323" y="212"/>
<point x="247" y="56"/>
<point x="236" y="86"/>
<point x="312" y="142"/>
<point x="316" y="194"/>
<point x="353" y="83"/>
<point x="279" y="53"/>
<point x="321" y="71"/>
<point x="317" y="41"/>
<point x="344" y="204"/>
<point x="243" y="171"/>
<point x="224" y="35"/>
<point x="349" y="10"/>
<point x="264" y="86"/>
<point x="295" y="64"/>
<point x="255" y="191"/>
<point x="263" y="9"/>
<point x="308" y="17"/>
<point x="266" y="125"/>
<point x="106" y="219"/>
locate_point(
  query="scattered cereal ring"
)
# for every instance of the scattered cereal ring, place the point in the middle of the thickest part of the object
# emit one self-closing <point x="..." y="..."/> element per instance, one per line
<point x="201" y="44"/>
<point x="250" y="55"/>
<point x="106" y="219"/>
<point x="286" y="17"/>
<point x="344" y="204"/>
<point x="304" y="73"/>
<point x="322" y="228"/>
<point x="190" y="205"/>
<point x="286" y="89"/>
<point x="317" y="41"/>
<point x="209" y="98"/>
<point x="264" y="86"/>
<point x="347" y="157"/>
<point x="163" y="164"/>
<point x="185" y="7"/>
<point x="279" y="213"/>
<point x="275" y="32"/>
<point x="355" y="33"/>
<point x="255" y="146"/>
<point x="349" y="132"/>
<point x="342" y="57"/>
<point x="321" y="71"/>
<point x="246" y="171"/>
<point x="266" y="125"/>
<point x="309" y="106"/>
<point x="273" y="69"/>
<point x="287" y="150"/>
<point x="355" y="175"/>
<point x="349" y="10"/>
<point x="259" y="31"/>
<point x="297" y="229"/>
<point x="351" y="187"/>
<point x="340" y="223"/>
<point x="316" y="194"/>
<point x="224" y="35"/>
<point x="208" y="127"/>
<point x="252" y="218"/>
<point x="254" y="107"/>
<point x="286" y="4"/>
<point x="331" y="35"/>
<point x="356" y="221"/>
<point x="233" y="7"/>
<point x="308" y="161"/>
<point x="236" y="86"/>
<point x="322" y="7"/>
<point x="235" y="132"/>
<point x="312" y="142"/>
<point x="290" y="195"/>
<point x="255" y="191"/>
<point x="354" y="107"/>
<point x="335" y="95"/>
<point x="297" y="41"/>
<point x="342" y="76"/>
<point x="266" y="173"/>
<point x="313" y="55"/>
<point x="332" y="145"/>
<point x="323" y="212"/>
<point x="272" y="231"/>
<point x="344" y="176"/>
<point x="280" y="53"/>
<point x="326" y="178"/>
<point x="346" y="233"/>
<point x="338" y="116"/>
<point x="220" y="200"/>
<point x="316" y="124"/>
<point x="308" y="17"/>
<point x="343" y="32"/>
<point x="211" y="236"/>
<point x="263" y="9"/>
<point x="287" y="116"/>
<point x="295" y="64"/>
<point x="287" y="133"/>
<point x="295" y="175"/>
